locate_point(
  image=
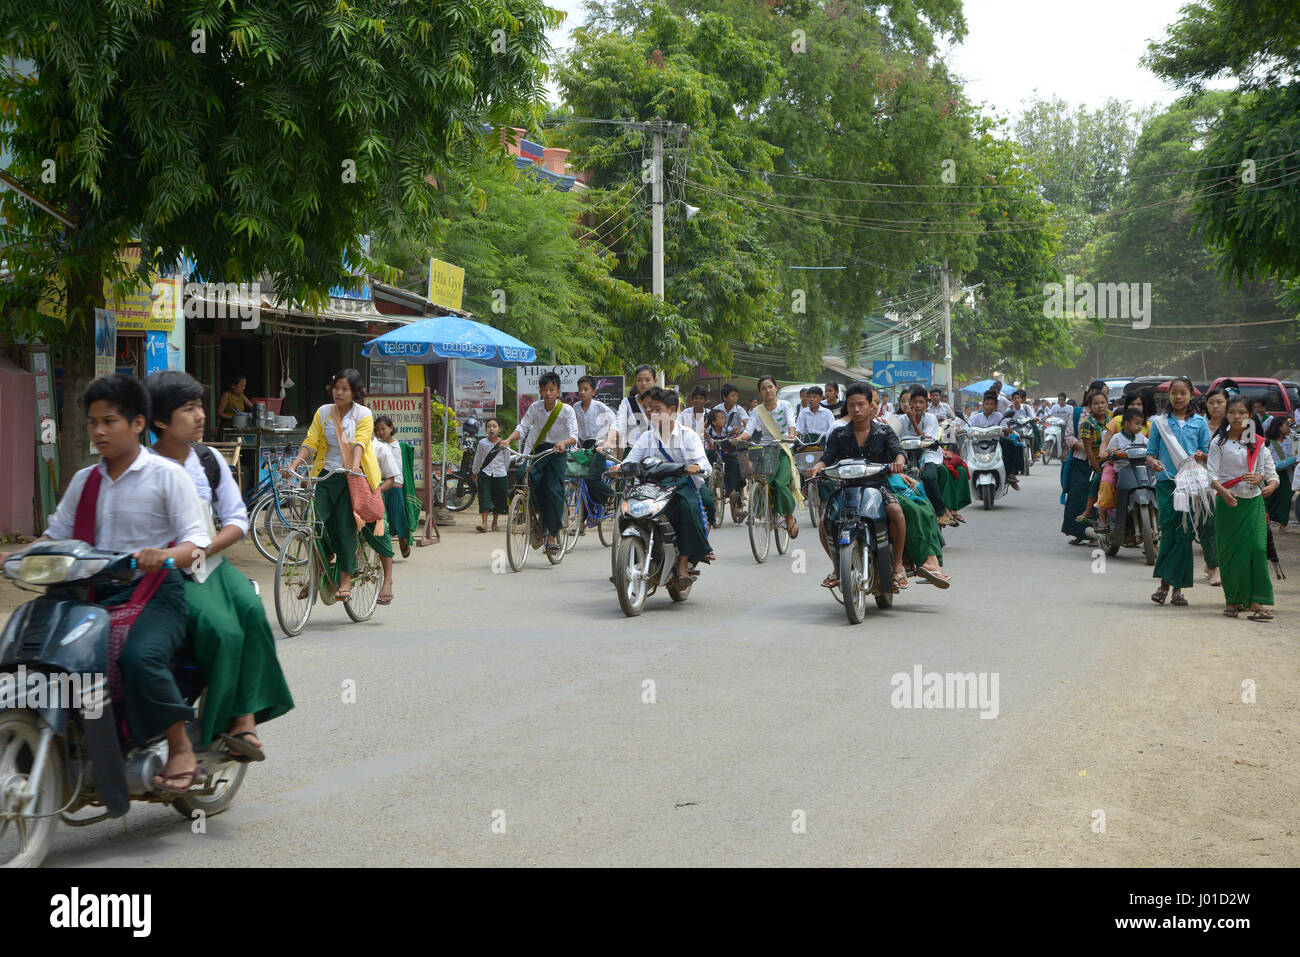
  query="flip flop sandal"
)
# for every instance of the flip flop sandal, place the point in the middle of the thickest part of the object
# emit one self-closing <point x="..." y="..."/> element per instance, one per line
<point x="933" y="578"/>
<point x="1231" y="612"/>
<point x="1214" y="584"/>
<point x="831" y="581"/>
<point x="479" y="528"/>
<point x="1260" y="615"/>
<point x="1178" y="600"/>
<point x="900" y="581"/>
<point x="1079" y="541"/>
<point x="1160" y="595"/>
<point x="384" y="600"/>
<point x="792" y="532"/>
<point x="244" y="751"/>
<point x="343" y="595"/>
<point x="191" y="775"/>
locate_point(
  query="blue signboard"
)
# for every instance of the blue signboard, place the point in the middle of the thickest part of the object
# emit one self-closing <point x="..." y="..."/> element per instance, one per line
<point x="155" y="352"/>
<point x="889" y="374"/>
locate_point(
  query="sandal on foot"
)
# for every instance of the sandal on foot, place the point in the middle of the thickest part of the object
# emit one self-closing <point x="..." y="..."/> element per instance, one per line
<point x="405" y="546"/>
<point x="1159" y="595"/>
<point x="792" y="527"/>
<point x="831" y="581"/>
<point x="1178" y="600"/>
<point x="900" y="581"/>
<point x="241" y="750"/>
<point x="384" y="599"/>
<point x="479" y="528"/>
<point x="343" y="595"/>
<point x="160" y="781"/>
<point x="1231" y="612"/>
<point x="1260" y="615"/>
<point x="939" y="579"/>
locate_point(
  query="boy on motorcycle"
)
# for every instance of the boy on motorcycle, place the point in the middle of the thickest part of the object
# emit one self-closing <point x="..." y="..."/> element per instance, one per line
<point x="135" y="501"/>
<point x="923" y="424"/>
<point x="1011" y="453"/>
<point x="668" y="439"/>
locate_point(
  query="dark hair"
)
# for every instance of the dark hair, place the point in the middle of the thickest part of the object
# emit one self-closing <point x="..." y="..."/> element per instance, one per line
<point x="237" y="377"/>
<point x="729" y="388"/>
<point x="996" y="386"/>
<point x="860" y="388"/>
<point x="699" y="390"/>
<point x="589" y="380"/>
<point x="833" y="385"/>
<point x="666" y="396"/>
<point x="1259" y="400"/>
<point x="759" y="383"/>
<point x="643" y="368"/>
<point x="1020" y="392"/>
<point x="1062" y="395"/>
<point x="1190" y="388"/>
<point x="124" y="393"/>
<point x="491" y="418"/>
<point x="716" y="412"/>
<point x="803" y="392"/>
<point x="918" y="390"/>
<point x="815" y="390"/>
<point x="1096" y="385"/>
<point x="990" y="394"/>
<point x="1274" y="430"/>
<point x="354" y="381"/>
<point x="548" y="378"/>
<point x="168" y="391"/>
<point x="387" y="421"/>
<point x="1134" y="415"/>
<point x="1221" y="433"/>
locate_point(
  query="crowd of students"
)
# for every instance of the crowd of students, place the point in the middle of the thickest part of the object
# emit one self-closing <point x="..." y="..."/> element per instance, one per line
<point x="1223" y="471"/>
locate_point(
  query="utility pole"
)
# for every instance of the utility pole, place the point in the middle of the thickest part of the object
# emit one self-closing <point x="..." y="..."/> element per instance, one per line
<point x="657" y="218"/>
<point x="947" y="328"/>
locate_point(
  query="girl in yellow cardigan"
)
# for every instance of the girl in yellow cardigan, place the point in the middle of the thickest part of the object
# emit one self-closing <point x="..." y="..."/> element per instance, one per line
<point x="333" y="502"/>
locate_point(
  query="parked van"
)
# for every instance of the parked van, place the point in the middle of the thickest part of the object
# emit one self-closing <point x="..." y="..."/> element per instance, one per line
<point x="1278" y="398"/>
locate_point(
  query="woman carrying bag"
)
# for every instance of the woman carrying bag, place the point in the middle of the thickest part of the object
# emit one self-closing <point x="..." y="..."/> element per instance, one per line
<point x="773" y="420"/>
<point x="346" y="508"/>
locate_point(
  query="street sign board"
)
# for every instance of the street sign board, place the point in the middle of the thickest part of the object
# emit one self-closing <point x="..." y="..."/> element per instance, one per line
<point x="890" y="374"/>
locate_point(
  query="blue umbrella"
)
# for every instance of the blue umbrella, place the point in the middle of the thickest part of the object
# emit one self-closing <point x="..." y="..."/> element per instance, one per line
<point x="431" y="341"/>
<point x="978" y="388"/>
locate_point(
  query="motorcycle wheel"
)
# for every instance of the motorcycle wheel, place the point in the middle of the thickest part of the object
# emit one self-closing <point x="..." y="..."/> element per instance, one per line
<point x="886" y="600"/>
<point x="20" y="735"/>
<point x="295" y="569"/>
<point x="1147" y="529"/>
<point x="629" y="558"/>
<point x="677" y="594"/>
<point x="760" y="539"/>
<point x="518" y="533"/>
<point x="460" y="493"/>
<point x="366" y="584"/>
<point x="986" y="496"/>
<point x="852" y="572"/>
<point x="226" y="780"/>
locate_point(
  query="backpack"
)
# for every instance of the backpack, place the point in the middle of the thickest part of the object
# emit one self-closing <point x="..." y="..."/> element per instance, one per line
<point x="211" y="468"/>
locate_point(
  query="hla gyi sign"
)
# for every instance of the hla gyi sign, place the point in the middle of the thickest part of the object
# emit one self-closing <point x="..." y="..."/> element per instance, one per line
<point x="446" y="283"/>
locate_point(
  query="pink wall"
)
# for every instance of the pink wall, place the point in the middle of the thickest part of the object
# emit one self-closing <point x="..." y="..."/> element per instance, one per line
<point x="17" y="448"/>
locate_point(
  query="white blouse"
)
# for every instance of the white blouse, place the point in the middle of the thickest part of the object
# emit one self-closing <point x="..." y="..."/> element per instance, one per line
<point x="333" y="457"/>
<point x="1228" y="461"/>
<point x="783" y="415"/>
<point x="682" y="445"/>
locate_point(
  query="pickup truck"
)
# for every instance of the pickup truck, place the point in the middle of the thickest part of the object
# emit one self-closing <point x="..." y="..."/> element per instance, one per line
<point x="1281" y="398"/>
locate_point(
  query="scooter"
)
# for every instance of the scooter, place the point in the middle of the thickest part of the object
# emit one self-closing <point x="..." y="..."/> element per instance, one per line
<point x="1136" y="521"/>
<point x="1053" y="440"/>
<point x="70" y="752"/>
<point x="988" y="473"/>
<point x="1024" y="429"/>
<point x="645" y="552"/>
<point x="860" y="537"/>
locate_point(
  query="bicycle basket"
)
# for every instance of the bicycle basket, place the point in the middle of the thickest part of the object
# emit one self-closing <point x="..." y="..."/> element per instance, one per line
<point x="764" y="460"/>
<point x="578" y="463"/>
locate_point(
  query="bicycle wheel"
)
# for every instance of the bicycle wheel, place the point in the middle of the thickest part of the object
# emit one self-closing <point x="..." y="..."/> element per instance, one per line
<point x="517" y="529"/>
<point x="260" y="530"/>
<point x="759" y="538"/>
<point x="607" y="527"/>
<point x="575" y="514"/>
<point x="460" y="492"/>
<point x="295" y="581"/>
<point x="366" y="583"/>
<point x="294" y="509"/>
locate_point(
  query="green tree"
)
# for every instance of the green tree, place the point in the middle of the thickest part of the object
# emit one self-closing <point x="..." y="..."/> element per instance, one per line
<point x="257" y="137"/>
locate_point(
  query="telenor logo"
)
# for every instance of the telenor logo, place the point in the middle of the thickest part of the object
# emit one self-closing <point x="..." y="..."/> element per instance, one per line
<point x="134" y="911"/>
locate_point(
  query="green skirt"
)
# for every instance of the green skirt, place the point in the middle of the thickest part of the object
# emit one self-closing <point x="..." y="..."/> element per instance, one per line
<point x="1076" y="497"/>
<point x="236" y="650"/>
<point x="334" y="509"/>
<point x="782" y="497"/>
<point x="956" y="491"/>
<point x="1174" y="559"/>
<point x="922" y="539"/>
<point x="1242" y="539"/>
<point x="1278" y="505"/>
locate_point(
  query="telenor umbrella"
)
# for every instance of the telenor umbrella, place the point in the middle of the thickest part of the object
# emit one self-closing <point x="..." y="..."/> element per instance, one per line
<point x="431" y="341"/>
<point x="978" y="388"/>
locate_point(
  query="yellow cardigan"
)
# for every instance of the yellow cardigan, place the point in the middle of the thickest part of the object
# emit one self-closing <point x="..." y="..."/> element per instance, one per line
<point x="364" y="437"/>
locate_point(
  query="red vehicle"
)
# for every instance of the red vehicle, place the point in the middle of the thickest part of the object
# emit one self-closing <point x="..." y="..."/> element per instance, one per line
<point x="1279" y="400"/>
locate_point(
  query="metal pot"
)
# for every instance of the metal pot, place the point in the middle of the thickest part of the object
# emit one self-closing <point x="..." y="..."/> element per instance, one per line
<point x="242" y="420"/>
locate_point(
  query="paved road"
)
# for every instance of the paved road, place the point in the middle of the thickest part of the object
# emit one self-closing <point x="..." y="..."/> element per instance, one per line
<point x="519" y="699"/>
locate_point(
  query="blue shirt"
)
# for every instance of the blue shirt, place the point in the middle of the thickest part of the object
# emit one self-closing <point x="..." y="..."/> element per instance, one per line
<point x="1193" y="435"/>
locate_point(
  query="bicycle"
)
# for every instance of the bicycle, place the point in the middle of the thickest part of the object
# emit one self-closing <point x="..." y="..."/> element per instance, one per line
<point x="717" y="481"/>
<point x="303" y="572"/>
<point x="275" y="512"/>
<point x="581" y="511"/>
<point x="524" y="529"/>
<point x="763" y="522"/>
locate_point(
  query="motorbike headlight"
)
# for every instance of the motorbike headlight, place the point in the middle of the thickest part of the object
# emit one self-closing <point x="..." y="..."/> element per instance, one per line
<point x="43" y="569"/>
<point x="645" y="508"/>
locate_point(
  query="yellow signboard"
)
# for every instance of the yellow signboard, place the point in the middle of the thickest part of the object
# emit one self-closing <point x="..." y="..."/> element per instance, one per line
<point x="151" y="308"/>
<point x="446" y="283"/>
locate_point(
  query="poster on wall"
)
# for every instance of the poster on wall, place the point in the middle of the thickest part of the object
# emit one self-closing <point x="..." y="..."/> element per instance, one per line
<point x="526" y="378"/>
<point x="410" y="418"/>
<point x="105" y="342"/>
<point x="476" y="389"/>
<point x="47" y="446"/>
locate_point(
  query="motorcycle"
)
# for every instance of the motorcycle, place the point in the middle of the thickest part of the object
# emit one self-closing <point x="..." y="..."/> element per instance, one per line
<point x="1024" y="429"/>
<point x="1054" y="440"/>
<point x="860" y="538"/>
<point x="70" y="754"/>
<point x="461" y="487"/>
<point x="645" y="552"/>
<point x="1136" y="521"/>
<point x="988" y="473"/>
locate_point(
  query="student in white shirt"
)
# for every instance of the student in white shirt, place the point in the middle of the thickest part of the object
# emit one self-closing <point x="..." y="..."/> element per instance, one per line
<point x="923" y="424"/>
<point x="669" y="440"/>
<point x="1011" y="453"/>
<point x="631" y="420"/>
<point x="143" y="502"/>
<point x="595" y="419"/>
<point x="815" y="419"/>
<point x="940" y="409"/>
<point x="547" y="472"/>
<point x="786" y="495"/>
<point x="1003" y="402"/>
<point x="490" y="469"/>
<point x="226" y="620"/>
<point x="1239" y="519"/>
<point x="736" y="413"/>
<point x="696" y="418"/>
<point x="388" y="450"/>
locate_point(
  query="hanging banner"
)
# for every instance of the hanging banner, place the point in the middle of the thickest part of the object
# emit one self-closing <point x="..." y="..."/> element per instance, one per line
<point x="105" y="342"/>
<point x="446" y="284"/>
<point x="47" y="446"/>
<point x="476" y="389"/>
<point x="526" y="388"/>
<point x="410" y="420"/>
<point x="155" y="352"/>
<point x="152" y="307"/>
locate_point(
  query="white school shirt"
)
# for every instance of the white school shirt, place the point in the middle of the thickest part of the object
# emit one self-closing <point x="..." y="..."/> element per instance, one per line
<point x="783" y="415"/>
<point x="390" y="461"/>
<point x="227" y="503"/>
<point x="500" y="463"/>
<point x="150" y="505"/>
<point x="630" y="425"/>
<point x="981" y="421"/>
<point x="682" y="445"/>
<point x="696" y="422"/>
<point x="814" y="423"/>
<point x="1003" y="403"/>
<point x="565" y="425"/>
<point x="1120" y="442"/>
<point x="736" y="416"/>
<point x="595" y="422"/>
<point x="1021" y="414"/>
<point x="333" y="457"/>
<point x="930" y="429"/>
<point x="1228" y="461"/>
<point x="942" y="411"/>
<point x="1061" y="412"/>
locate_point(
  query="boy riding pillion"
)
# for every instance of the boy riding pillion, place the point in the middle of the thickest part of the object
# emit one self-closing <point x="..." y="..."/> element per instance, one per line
<point x="548" y="423"/>
<point x="671" y="441"/>
<point x="135" y="501"/>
